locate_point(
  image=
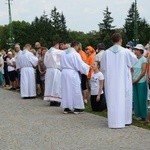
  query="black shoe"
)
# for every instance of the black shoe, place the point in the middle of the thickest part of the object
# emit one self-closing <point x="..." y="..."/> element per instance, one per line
<point x="78" y="111"/>
<point x="143" y="119"/>
<point x="67" y="110"/>
<point x="53" y="103"/>
<point x="12" y="89"/>
<point x="29" y="97"/>
<point x="128" y="124"/>
<point x="57" y="104"/>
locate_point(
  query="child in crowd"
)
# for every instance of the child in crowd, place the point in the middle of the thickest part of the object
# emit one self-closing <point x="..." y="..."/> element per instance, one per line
<point x="97" y="94"/>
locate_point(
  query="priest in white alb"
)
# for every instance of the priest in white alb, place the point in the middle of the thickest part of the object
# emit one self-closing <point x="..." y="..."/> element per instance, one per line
<point x="27" y="62"/>
<point x="116" y="66"/>
<point x="72" y="66"/>
<point x="53" y="75"/>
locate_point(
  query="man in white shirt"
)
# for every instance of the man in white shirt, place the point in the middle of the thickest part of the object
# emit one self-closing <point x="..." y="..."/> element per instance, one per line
<point x="100" y="51"/>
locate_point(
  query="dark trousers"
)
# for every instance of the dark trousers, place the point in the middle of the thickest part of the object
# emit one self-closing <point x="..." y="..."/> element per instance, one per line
<point x="98" y="106"/>
<point x="6" y="77"/>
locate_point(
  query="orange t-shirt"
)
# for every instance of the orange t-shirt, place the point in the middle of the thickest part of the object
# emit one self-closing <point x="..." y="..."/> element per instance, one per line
<point x="90" y="61"/>
<point x="83" y="55"/>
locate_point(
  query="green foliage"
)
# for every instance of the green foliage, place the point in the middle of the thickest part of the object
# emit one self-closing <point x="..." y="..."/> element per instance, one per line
<point x="106" y="28"/>
<point x="48" y="28"/>
<point x="129" y="22"/>
<point x="3" y="36"/>
<point x="21" y="32"/>
<point x="144" y="32"/>
<point x="106" y="25"/>
<point x="78" y="36"/>
<point x="41" y="30"/>
<point x="58" y="23"/>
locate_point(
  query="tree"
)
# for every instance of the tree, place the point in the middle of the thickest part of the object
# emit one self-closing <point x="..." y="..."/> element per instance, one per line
<point x="106" y="28"/>
<point x="21" y="32"/>
<point x="144" y="31"/>
<point x="3" y="36"/>
<point x="106" y="25"/>
<point x="58" y="22"/>
<point x="42" y="30"/>
<point x="129" y="22"/>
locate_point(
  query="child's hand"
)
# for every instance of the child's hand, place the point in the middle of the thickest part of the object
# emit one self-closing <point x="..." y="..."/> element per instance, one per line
<point x="98" y="98"/>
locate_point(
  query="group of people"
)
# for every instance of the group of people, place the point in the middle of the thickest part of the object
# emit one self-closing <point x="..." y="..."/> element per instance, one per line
<point x="67" y="76"/>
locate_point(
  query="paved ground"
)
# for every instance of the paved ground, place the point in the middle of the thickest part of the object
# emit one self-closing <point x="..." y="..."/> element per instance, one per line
<point x="33" y="125"/>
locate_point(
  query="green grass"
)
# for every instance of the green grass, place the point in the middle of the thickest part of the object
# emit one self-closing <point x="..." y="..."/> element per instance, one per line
<point x="137" y="123"/>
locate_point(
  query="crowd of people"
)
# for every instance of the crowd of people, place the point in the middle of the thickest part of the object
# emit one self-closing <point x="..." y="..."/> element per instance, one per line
<point x="65" y="75"/>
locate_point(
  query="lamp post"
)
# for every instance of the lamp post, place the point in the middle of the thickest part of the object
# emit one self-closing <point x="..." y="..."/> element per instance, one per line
<point x="135" y="24"/>
<point x="11" y="39"/>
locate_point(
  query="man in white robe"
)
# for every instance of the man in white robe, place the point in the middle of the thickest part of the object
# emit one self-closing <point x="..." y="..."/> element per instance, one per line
<point x="17" y="57"/>
<point x="53" y="75"/>
<point x="27" y="62"/>
<point x="71" y="65"/>
<point x="116" y="66"/>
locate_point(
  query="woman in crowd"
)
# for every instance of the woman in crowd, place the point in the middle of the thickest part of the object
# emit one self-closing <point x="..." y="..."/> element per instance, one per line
<point x="140" y="84"/>
<point x="6" y="77"/>
<point x="42" y="69"/>
<point x="12" y="70"/>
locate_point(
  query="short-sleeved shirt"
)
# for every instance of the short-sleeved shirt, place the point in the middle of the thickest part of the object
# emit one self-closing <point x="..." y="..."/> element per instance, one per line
<point x="95" y="78"/>
<point x="11" y="61"/>
<point x="138" y="69"/>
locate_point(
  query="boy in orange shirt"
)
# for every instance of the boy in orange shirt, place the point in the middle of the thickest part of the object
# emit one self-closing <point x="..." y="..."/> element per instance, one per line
<point x="83" y="77"/>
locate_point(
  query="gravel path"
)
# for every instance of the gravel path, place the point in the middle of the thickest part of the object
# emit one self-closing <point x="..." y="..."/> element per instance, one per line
<point x="33" y="125"/>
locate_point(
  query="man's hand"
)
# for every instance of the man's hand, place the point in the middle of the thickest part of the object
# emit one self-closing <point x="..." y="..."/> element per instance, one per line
<point x="98" y="98"/>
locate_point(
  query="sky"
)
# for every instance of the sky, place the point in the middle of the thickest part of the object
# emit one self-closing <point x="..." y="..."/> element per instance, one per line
<point x="81" y="15"/>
